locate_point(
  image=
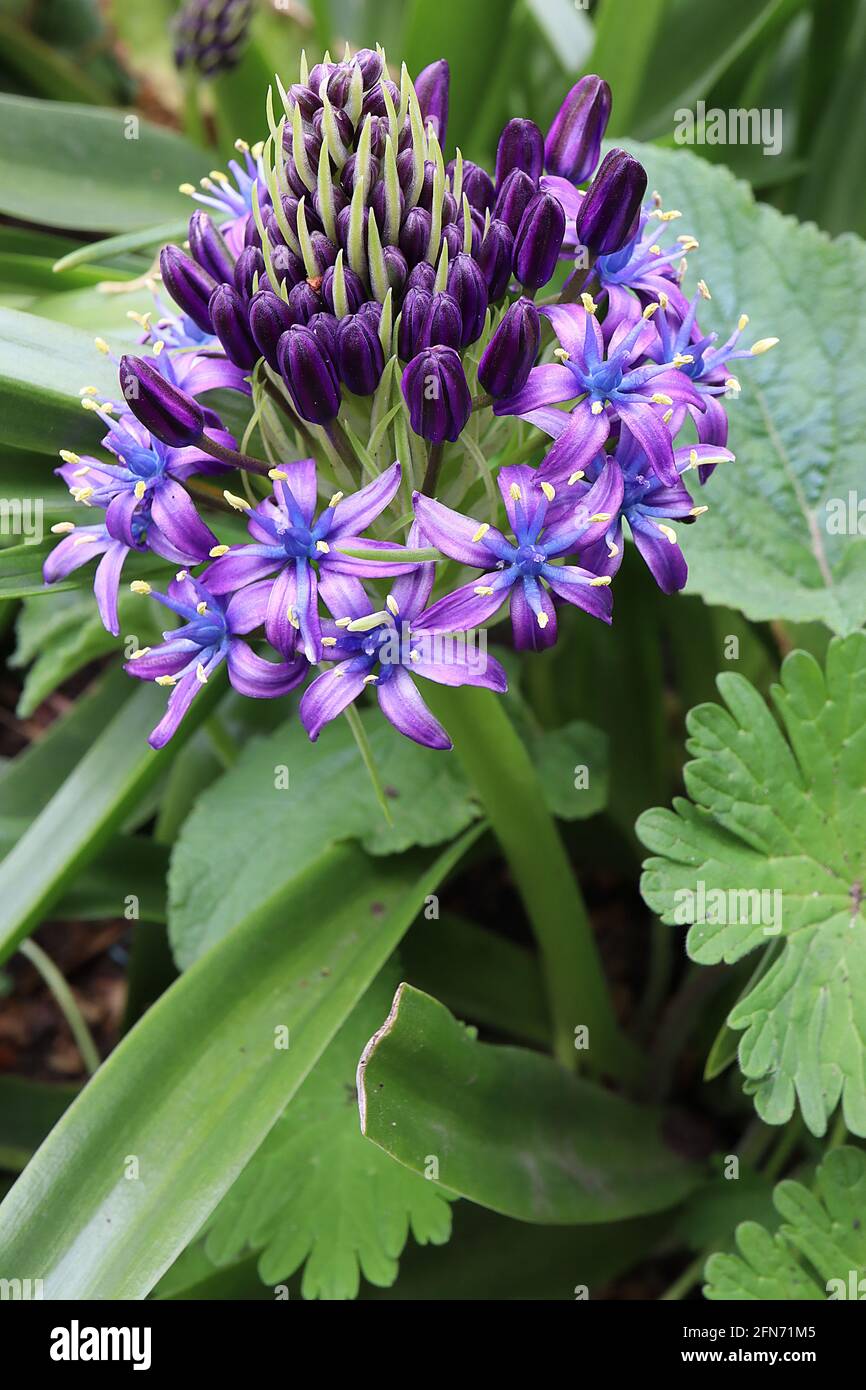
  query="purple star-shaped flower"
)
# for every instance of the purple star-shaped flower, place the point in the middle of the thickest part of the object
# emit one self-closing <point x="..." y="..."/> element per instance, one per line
<point x="210" y="634"/>
<point x="648" y="506"/>
<point x="300" y="546"/>
<point x="611" y="385"/>
<point x="523" y="570"/>
<point x="386" y="650"/>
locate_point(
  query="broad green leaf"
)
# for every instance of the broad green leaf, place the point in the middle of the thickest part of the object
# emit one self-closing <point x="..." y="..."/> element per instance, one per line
<point x="130" y="867"/>
<point x="270" y="832"/>
<point x="479" y="975"/>
<point x="780" y="539"/>
<point x="43" y="366"/>
<point x="571" y="763"/>
<point x="168" y="1122"/>
<point x="771" y="846"/>
<point x="510" y="1129"/>
<point x="819" y="1251"/>
<point x="92" y="170"/>
<point x="707" y="1219"/>
<point x="61" y="637"/>
<point x="317" y="1192"/>
<point x="88" y="808"/>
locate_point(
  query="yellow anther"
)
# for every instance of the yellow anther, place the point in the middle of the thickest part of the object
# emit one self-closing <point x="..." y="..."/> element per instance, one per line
<point x="668" y="416"/>
<point x="688" y="243"/>
<point x="62" y="528"/>
<point x="187" y="188"/>
<point x="742" y="322"/>
<point x="240" y="504"/>
<point x="140" y="489"/>
<point x="241" y="146"/>
<point x="704" y="289"/>
<point x="337" y="498"/>
<point x="391" y="605"/>
<point x="601" y="581"/>
<point x="682" y="359"/>
<point x="278" y="475"/>
<point x="293" y="617"/>
<point x="588" y="303"/>
<point x="600" y="516"/>
<point x="181" y="576"/>
<point x="732" y="386"/>
<point x="85" y="539"/>
<point x="166" y="680"/>
<point x="414" y="654"/>
<point x="102" y="345"/>
<point x="656" y="249"/>
<point x="323" y="547"/>
<point x="561" y="353"/>
<point x="698" y="511"/>
<point x="650" y="310"/>
<point x="81" y="494"/>
<point x="68" y="456"/>
<point x="219" y="176"/>
<point x="217" y="550"/>
<point x="612" y="549"/>
<point x="342" y="622"/>
<point x="548" y="490"/>
<point x="482" y="531"/>
<point x="201" y="608"/>
<point x="139" y="586"/>
<point x="483" y="590"/>
<point x="514" y="492"/>
<point x="664" y="300"/>
<point x="81" y="472"/>
<point x="201" y="674"/>
<point x="329" y="641"/>
<point x="576" y="477"/>
<point x="668" y="216"/>
<point x="659" y="398"/>
<point x="257" y="148"/>
<point x="543" y="619"/>
<point x="668" y="532"/>
<point x="371" y="680"/>
<point x="693" y="458"/>
<point x="139" y="652"/>
<point x="762" y="345"/>
<point x="158" y="347"/>
<point x="597" y="407"/>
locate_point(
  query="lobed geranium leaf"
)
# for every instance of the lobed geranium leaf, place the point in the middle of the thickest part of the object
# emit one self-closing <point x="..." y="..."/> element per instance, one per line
<point x="819" y="1251"/>
<point x="769" y="544"/>
<point x="508" y="1128"/>
<point x="316" y="1191"/>
<point x="783" y="815"/>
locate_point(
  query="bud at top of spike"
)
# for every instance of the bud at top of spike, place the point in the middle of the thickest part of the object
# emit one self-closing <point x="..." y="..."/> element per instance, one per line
<point x="610" y="209"/>
<point x="432" y="86"/>
<point x="574" y="140"/>
<point x="521" y="146"/>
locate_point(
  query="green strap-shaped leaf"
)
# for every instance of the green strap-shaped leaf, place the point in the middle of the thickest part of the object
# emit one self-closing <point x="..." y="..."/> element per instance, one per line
<point x="76" y="167"/>
<point x="140" y="1160"/>
<point x="88" y="808"/>
<point x="771" y="847"/>
<point x="507" y="1128"/>
<point x="43" y="367"/>
<point x="819" y="1251"/>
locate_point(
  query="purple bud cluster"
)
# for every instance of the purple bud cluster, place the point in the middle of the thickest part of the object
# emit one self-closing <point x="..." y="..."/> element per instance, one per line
<point x="210" y="35"/>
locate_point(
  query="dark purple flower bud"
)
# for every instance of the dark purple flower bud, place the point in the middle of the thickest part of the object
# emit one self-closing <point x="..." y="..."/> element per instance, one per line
<point x="406" y="170"/>
<point x="452" y="235"/>
<point x="309" y="373"/>
<point x="513" y="198"/>
<point x="344" y="219"/>
<point x="425" y="197"/>
<point x="337" y="201"/>
<point x="478" y="186"/>
<point x="355" y="291"/>
<point x="415" y="235"/>
<point x="304" y="301"/>
<point x="229" y="316"/>
<point x="270" y="317"/>
<point x="379" y="128"/>
<point x="539" y="241"/>
<point x="510" y="355"/>
<point x="170" y="414"/>
<point x="521" y="146"/>
<point x="412" y="317"/>
<point x="189" y="286"/>
<point x="325" y="328"/>
<point x="573" y="142"/>
<point x="324" y="251"/>
<point x="318" y="73"/>
<point x="443" y="323"/>
<point x="379" y="206"/>
<point x="251" y="231"/>
<point x="339" y="83"/>
<point x="211" y="37"/>
<point x="360" y="359"/>
<point x="250" y="264"/>
<point x="208" y="249"/>
<point x="345" y="133"/>
<point x="610" y="208"/>
<point x="308" y="100"/>
<point x="287" y="266"/>
<point x="372" y="312"/>
<point x="495" y="258"/>
<point x="431" y="87"/>
<point x="348" y="172"/>
<point x="422" y="277"/>
<point x="374" y="102"/>
<point x="449" y="208"/>
<point x="469" y="288"/>
<point x="396" y="269"/>
<point x="435" y="390"/>
<point x="372" y="65"/>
